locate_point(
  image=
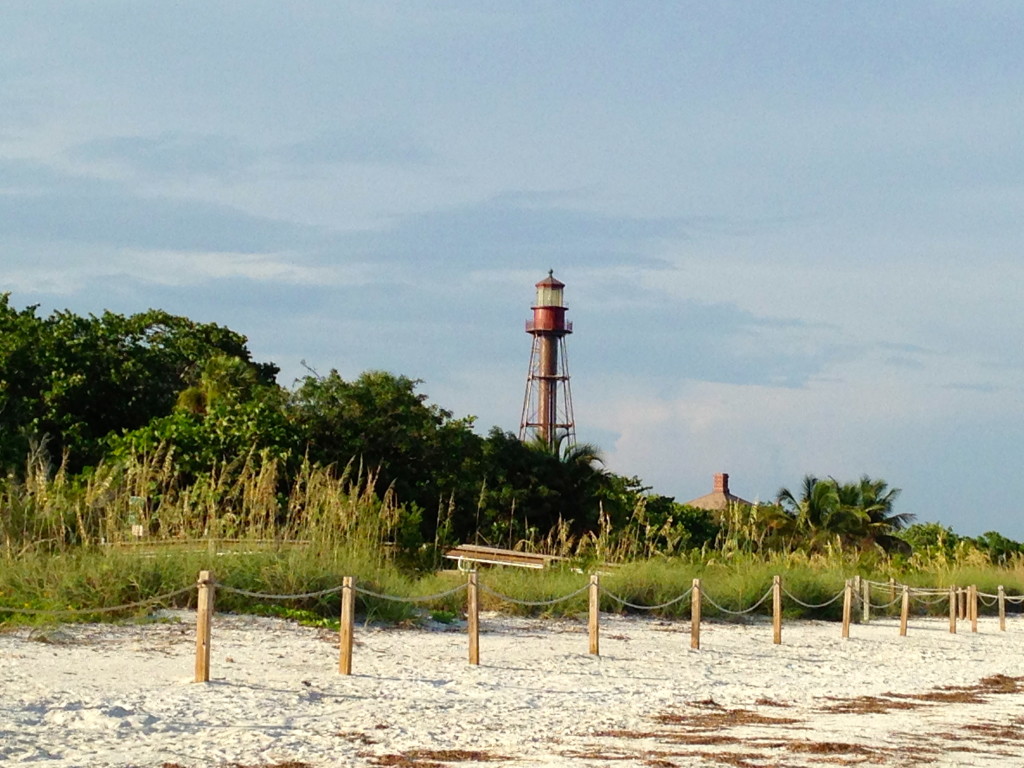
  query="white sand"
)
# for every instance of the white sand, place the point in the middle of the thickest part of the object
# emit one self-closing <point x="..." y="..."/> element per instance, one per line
<point x="87" y="695"/>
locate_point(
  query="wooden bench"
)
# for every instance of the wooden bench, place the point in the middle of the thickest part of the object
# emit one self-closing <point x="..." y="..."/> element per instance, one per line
<point x="471" y="553"/>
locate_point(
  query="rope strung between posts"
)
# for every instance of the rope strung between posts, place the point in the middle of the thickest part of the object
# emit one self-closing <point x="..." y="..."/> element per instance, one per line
<point x="939" y="595"/>
<point x="889" y="604"/>
<point x="882" y="586"/>
<point x="514" y="601"/>
<point x="898" y="587"/>
<point x="751" y="609"/>
<point x="109" y="609"/>
<point x="268" y="596"/>
<point x="1008" y="598"/>
<point x="420" y="599"/>
<point x="798" y="601"/>
<point x="625" y="602"/>
<point x="934" y="601"/>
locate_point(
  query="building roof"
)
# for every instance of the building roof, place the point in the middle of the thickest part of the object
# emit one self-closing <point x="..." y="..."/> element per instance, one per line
<point x="720" y="497"/>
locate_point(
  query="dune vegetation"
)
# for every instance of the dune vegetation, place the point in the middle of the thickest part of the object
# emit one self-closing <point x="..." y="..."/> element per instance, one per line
<point x="137" y="451"/>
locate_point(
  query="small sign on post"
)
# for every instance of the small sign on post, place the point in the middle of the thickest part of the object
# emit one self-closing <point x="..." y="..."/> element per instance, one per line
<point x="136" y="515"/>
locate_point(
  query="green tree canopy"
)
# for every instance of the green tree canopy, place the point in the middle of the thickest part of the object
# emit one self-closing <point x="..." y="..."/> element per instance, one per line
<point x="72" y="380"/>
<point x="858" y="514"/>
<point x="379" y="420"/>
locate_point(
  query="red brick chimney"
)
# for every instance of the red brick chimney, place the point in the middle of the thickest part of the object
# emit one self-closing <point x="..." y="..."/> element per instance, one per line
<point x="722" y="483"/>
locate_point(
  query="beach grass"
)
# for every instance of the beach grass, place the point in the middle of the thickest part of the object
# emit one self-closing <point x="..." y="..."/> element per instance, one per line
<point x="124" y="534"/>
<point x="83" y="579"/>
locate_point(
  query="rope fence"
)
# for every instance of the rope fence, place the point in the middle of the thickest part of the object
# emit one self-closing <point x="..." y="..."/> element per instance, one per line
<point x="636" y="607"/>
<point x="268" y="596"/>
<point x="812" y="606"/>
<point x="963" y="606"/>
<point x="414" y="599"/>
<point x="710" y="601"/>
<point x="966" y="598"/>
<point x="534" y="603"/>
<point x="167" y="596"/>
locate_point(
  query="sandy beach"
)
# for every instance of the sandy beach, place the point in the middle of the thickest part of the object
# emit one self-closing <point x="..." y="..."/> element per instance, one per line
<point x="106" y="695"/>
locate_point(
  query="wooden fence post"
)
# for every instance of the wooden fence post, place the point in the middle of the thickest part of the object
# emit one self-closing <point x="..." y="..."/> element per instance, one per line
<point x="777" y="610"/>
<point x="856" y="592"/>
<point x="847" y="608"/>
<point x="1002" y="609"/>
<point x="952" y="610"/>
<point x="593" y="623"/>
<point x="204" y="617"/>
<point x="695" y="615"/>
<point x="972" y="592"/>
<point x="904" y="611"/>
<point x="892" y="588"/>
<point x="962" y="602"/>
<point x="865" y="600"/>
<point x="473" y="619"/>
<point x="345" y="632"/>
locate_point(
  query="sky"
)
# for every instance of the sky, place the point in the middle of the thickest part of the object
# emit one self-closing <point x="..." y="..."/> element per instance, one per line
<point x="790" y="232"/>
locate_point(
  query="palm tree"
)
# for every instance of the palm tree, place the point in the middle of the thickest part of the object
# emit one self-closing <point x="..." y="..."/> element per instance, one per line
<point x="873" y="500"/>
<point x="221" y="377"/>
<point x="819" y="512"/>
<point x="573" y="478"/>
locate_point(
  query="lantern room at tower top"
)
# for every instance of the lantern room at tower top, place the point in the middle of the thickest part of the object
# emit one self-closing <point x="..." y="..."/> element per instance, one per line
<point x="549" y="308"/>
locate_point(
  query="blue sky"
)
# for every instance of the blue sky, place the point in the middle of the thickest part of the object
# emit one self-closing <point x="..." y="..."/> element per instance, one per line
<point x="790" y="232"/>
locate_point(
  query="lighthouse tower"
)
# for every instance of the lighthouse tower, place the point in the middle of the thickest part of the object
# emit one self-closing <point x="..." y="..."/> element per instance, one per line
<point x="547" y="406"/>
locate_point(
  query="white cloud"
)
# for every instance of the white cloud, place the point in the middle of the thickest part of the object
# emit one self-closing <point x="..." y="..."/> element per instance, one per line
<point x="57" y="282"/>
<point x="172" y="269"/>
<point x="183" y="268"/>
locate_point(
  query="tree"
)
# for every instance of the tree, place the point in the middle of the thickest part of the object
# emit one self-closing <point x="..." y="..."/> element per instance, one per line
<point x="582" y="485"/>
<point x="856" y="514"/>
<point x="379" y="420"/>
<point x="999" y="549"/>
<point x="818" y="512"/>
<point x="20" y="374"/>
<point x="224" y="433"/>
<point x="872" y="502"/>
<point x="73" y="380"/>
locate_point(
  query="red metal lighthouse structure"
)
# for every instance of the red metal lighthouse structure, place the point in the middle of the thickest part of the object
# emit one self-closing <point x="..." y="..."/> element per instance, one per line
<point x="547" y="406"/>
